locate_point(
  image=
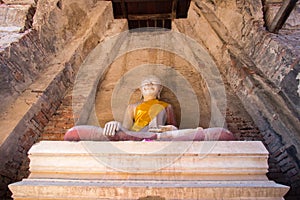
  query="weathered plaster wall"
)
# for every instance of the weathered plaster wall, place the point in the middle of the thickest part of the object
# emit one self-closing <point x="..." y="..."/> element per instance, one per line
<point x="38" y="67"/>
<point x="256" y="65"/>
<point x="271" y="7"/>
<point x="18" y="64"/>
<point x="56" y="24"/>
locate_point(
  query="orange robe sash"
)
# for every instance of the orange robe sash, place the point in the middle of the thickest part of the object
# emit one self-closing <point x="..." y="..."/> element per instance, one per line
<point x="146" y="112"/>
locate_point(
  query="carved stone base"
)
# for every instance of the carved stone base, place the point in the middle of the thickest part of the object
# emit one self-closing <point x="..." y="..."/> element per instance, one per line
<point x="133" y="170"/>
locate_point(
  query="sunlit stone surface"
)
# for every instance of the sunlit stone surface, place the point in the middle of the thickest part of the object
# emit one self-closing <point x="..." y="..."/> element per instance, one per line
<point x="132" y="170"/>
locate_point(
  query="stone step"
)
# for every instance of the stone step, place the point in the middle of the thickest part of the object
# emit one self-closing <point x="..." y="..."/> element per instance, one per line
<point x="19" y="2"/>
<point x="209" y="160"/>
<point x="132" y="170"/>
<point x="135" y="189"/>
<point x="13" y="15"/>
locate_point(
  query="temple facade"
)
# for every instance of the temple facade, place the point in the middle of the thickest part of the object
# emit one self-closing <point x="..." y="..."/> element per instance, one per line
<point x="228" y="63"/>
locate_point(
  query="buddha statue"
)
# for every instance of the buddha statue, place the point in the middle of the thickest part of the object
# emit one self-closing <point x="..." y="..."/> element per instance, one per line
<point x="149" y="119"/>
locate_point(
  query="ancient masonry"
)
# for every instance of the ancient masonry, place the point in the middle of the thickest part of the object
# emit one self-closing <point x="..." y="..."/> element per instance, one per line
<point x="44" y="42"/>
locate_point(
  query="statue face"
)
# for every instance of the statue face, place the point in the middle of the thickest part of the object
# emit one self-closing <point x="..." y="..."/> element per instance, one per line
<point x="150" y="88"/>
<point x="152" y="79"/>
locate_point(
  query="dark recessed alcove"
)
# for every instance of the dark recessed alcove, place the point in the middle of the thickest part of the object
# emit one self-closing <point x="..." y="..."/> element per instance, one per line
<point x="147" y="13"/>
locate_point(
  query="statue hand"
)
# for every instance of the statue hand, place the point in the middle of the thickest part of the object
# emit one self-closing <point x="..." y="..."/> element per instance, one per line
<point x="111" y="128"/>
<point x="167" y="128"/>
<point x="199" y="128"/>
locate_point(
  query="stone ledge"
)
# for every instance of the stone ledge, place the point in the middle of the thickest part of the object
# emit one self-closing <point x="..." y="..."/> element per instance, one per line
<point x="134" y="189"/>
<point x="19" y="2"/>
<point x="8" y="35"/>
<point x="209" y="160"/>
<point x="13" y="15"/>
<point x="130" y="170"/>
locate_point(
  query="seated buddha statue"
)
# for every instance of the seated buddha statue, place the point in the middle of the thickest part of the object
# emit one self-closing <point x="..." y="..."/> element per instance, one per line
<point x="149" y="119"/>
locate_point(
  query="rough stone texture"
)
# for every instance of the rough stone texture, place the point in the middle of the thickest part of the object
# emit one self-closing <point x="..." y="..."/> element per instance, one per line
<point x="271" y="7"/>
<point x="14" y="20"/>
<point x="13" y="15"/>
<point x="19" y="2"/>
<point x="256" y="64"/>
<point x="74" y="18"/>
<point x="38" y="77"/>
<point x="21" y="62"/>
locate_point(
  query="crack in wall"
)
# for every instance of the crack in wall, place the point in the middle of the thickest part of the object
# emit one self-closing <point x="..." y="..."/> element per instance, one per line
<point x="298" y="78"/>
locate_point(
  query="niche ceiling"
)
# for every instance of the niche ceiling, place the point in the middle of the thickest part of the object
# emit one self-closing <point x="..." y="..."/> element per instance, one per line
<point x="150" y="13"/>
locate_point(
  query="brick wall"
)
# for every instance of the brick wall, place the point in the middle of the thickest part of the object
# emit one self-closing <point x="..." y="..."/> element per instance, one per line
<point x="261" y="69"/>
<point x="60" y="121"/>
<point x="14" y="161"/>
<point x="36" y="78"/>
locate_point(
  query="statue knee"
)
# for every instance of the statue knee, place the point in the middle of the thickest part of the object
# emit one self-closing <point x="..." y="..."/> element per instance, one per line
<point x="72" y="135"/>
<point x="226" y="135"/>
<point x="218" y="134"/>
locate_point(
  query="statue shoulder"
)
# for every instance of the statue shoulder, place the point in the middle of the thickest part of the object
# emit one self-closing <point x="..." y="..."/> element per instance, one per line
<point x="165" y="104"/>
<point x="133" y="106"/>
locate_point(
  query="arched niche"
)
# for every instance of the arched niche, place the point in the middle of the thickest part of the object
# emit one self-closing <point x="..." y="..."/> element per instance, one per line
<point x="152" y="60"/>
<point x="189" y="64"/>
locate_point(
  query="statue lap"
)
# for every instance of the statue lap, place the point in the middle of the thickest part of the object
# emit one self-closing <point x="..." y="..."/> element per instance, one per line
<point x="94" y="133"/>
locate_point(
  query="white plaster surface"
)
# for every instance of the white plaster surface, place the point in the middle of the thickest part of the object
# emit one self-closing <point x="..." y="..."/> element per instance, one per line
<point x="134" y="189"/>
<point x="130" y="170"/>
<point x="208" y="160"/>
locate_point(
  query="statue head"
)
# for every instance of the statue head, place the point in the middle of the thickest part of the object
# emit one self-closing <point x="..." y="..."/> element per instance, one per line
<point x="151" y="87"/>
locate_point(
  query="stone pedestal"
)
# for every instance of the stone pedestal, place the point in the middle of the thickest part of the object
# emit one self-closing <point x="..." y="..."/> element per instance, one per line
<point x="133" y="170"/>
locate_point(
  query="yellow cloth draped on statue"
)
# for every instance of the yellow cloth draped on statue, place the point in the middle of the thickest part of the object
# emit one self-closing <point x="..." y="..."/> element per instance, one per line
<point x="146" y="112"/>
